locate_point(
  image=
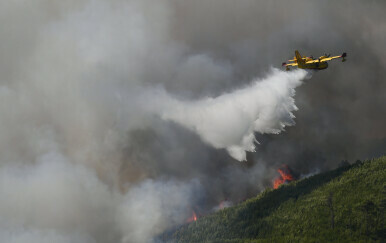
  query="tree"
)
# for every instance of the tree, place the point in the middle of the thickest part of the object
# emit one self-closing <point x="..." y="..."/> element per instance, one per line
<point x="331" y="206"/>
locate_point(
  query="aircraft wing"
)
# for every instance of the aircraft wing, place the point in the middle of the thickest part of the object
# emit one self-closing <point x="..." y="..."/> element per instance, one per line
<point x="293" y="60"/>
<point x="326" y="59"/>
<point x="290" y="64"/>
<point x="330" y="58"/>
<point x="313" y="61"/>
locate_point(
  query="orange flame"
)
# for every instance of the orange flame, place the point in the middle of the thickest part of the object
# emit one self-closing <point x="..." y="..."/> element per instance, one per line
<point x="192" y="218"/>
<point x="285" y="176"/>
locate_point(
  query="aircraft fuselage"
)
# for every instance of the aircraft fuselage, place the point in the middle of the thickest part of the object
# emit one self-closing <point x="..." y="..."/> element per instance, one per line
<point x="317" y="65"/>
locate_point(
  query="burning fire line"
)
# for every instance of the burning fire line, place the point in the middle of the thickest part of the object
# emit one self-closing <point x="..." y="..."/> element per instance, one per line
<point x="286" y="176"/>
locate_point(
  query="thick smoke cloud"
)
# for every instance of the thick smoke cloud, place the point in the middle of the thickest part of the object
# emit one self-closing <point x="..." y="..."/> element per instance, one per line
<point x="56" y="201"/>
<point x="100" y="140"/>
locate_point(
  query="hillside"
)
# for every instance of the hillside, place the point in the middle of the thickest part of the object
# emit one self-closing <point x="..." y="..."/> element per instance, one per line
<point x="343" y="205"/>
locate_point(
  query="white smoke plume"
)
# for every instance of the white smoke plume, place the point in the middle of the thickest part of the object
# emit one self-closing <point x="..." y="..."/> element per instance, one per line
<point x="57" y="201"/>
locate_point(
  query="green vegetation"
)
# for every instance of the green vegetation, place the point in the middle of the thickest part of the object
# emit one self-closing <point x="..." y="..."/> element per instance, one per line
<point x="343" y="205"/>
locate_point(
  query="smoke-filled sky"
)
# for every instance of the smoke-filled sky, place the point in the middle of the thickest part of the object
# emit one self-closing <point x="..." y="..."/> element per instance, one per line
<point x="118" y="118"/>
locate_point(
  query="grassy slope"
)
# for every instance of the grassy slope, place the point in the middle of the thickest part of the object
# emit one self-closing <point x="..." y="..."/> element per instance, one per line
<point x="300" y="212"/>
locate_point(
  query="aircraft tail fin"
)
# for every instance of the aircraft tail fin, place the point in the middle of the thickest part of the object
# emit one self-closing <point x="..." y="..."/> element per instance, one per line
<point x="343" y="56"/>
<point x="299" y="58"/>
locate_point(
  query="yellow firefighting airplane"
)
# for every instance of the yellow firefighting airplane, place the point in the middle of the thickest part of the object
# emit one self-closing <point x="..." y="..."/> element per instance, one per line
<point x="310" y="62"/>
